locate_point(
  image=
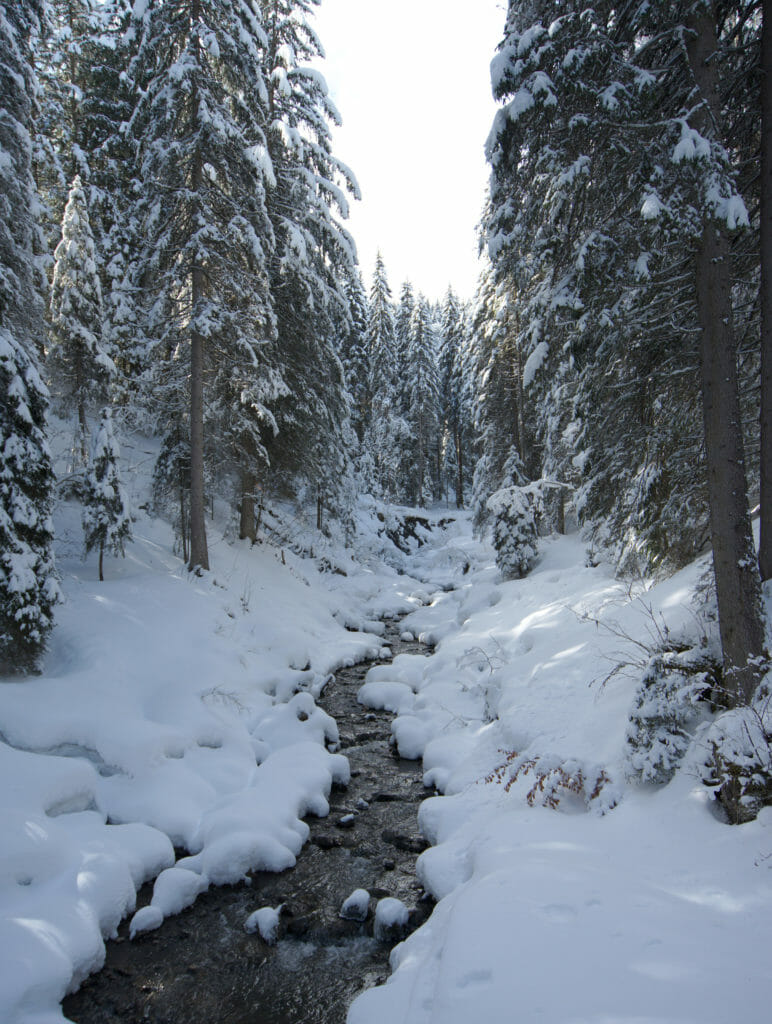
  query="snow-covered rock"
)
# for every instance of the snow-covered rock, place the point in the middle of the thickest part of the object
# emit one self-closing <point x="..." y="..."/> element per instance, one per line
<point x="355" y="906"/>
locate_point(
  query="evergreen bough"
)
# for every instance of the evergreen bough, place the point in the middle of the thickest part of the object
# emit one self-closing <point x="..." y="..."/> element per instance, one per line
<point x="28" y="584"/>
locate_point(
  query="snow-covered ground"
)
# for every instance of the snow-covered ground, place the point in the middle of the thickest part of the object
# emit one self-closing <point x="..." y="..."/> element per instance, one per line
<point x="174" y="733"/>
<point x="622" y="903"/>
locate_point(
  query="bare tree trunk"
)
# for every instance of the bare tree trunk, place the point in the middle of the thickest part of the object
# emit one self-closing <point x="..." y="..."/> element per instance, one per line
<point x="738" y="589"/>
<point x="765" y="546"/>
<point x="183" y="522"/>
<point x="459" y="470"/>
<point x="247" y="528"/>
<point x="421" y="458"/>
<point x="83" y="433"/>
<point x="199" y="555"/>
<point x="738" y="585"/>
<point x="101" y="560"/>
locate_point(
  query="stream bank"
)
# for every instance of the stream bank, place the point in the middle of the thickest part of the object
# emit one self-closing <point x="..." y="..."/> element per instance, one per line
<point x="201" y="967"/>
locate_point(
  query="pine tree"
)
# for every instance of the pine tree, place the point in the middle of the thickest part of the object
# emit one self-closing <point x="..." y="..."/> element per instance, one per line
<point x="28" y="586"/>
<point x="402" y="321"/>
<point x="613" y="121"/>
<point x="79" y="366"/>
<point x="106" y="513"/>
<point x="423" y="395"/>
<point x="199" y="132"/>
<point x="452" y="409"/>
<point x="499" y="421"/>
<point x="354" y="355"/>
<point x="313" y="256"/>
<point x="62" y="60"/>
<point x="384" y="440"/>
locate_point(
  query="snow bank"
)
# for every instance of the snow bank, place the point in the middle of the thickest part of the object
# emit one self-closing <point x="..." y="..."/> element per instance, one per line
<point x="173" y="711"/>
<point x="566" y="892"/>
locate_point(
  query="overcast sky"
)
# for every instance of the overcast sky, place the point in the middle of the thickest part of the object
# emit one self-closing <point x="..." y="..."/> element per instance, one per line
<point x="411" y="80"/>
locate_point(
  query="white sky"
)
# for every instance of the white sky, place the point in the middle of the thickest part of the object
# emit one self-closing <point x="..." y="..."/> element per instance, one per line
<point x="411" y="80"/>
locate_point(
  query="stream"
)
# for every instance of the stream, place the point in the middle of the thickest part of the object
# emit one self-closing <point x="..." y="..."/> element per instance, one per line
<point x="201" y="967"/>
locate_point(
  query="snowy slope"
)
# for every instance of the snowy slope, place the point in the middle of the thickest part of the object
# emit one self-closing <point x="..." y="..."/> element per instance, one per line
<point x="174" y="729"/>
<point x="629" y="904"/>
<point x="174" y="733"/>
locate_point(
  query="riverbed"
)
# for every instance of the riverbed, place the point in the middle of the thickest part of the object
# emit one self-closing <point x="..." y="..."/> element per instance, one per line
<point x="202" y="967"/>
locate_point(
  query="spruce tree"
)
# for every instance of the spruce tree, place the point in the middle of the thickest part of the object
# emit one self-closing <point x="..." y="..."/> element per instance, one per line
<point x="80" y="368"/>
<point x="452" y="409"/>
<point x="313" y="257"/>
<point x="354" y="355"/>
<point x="28" y="586"/>
<point x="423" y="392"/>
<point x="199" y="133"/>
<point x="384" y="440"/>
<point x="613" y="193"/>
<point x="106" y="512"/>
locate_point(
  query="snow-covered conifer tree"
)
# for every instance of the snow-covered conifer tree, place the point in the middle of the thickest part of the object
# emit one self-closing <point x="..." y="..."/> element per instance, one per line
<point x="106" y="512"/>
<point x="612" y="194"/>
<point x="355" y="357"/>
<point x="313" y="256"/>
<point x="80" y="368"/>
<point x="28" y="586"/>
<point x="62" y="60"/>
<point x="452" y="405"/>
<point x="387" y="429"/>
<point x="423" y="395"/>
<point x="403" y="318"/>
<point x="199" y="131"/>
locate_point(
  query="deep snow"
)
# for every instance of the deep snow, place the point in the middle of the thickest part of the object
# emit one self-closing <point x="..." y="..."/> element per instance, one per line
<point x="639" y="905"/>
<point x="179" y="712"/>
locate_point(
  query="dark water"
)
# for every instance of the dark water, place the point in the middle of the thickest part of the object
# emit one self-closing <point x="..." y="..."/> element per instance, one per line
<point x="201" y="967"/>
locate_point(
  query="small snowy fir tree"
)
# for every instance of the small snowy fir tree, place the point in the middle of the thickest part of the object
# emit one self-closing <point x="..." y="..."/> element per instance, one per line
<point x="671" y="701"/>
<point x="106" y="514"/>
<point x="515" y="530"/>
<point x="79" y="366"/>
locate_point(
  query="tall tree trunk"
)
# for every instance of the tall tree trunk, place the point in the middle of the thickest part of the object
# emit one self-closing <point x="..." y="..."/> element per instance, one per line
<point x="101" y="560"/>
<point x="738" y="589"/>
<point x="765" y="546"/>
<point x="83" y="433"/>
<point x="199" y="555"/>
<point x="247" y="528"/>
<point x="738" y="585"/>
<point x="459" y="470"/>
<point x="421" y="458"/>
<point x="183" y="521"/>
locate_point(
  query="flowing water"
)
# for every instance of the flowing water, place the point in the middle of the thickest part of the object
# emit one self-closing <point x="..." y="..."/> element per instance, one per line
<point x="201" y="967"/>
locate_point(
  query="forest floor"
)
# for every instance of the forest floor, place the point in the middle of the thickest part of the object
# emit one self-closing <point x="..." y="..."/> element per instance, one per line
<point x="177" y="733"/>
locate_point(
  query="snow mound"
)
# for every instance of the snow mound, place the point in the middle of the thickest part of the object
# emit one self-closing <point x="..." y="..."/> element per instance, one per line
<point x="356" y="905"/>
<point x="265" y="922"/>
<point x="391" y="917"/>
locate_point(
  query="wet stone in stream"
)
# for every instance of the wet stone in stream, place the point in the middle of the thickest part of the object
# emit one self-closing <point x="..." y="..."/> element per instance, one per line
<point x="202" y="967"/>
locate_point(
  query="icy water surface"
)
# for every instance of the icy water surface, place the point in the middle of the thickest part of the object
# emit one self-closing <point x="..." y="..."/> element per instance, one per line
<point x="201" y="967"/>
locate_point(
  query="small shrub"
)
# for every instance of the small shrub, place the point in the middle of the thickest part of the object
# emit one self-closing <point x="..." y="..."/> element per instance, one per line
<point x="739" y="763"/>
<point x="671" y="701"/>
<point x="515" y="512"/>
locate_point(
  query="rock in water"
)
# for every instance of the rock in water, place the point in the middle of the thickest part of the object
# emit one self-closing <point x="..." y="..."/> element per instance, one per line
<point x="355" y="906"/>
